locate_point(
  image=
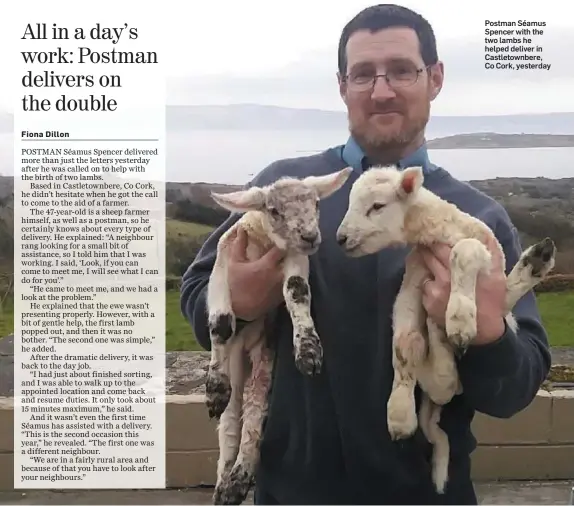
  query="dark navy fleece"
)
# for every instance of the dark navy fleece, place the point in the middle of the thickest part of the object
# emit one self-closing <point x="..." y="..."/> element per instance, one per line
<point x="326" y="439"/>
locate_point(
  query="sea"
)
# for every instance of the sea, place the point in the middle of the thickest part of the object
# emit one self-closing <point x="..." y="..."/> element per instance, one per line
<point x="234" y="156"/>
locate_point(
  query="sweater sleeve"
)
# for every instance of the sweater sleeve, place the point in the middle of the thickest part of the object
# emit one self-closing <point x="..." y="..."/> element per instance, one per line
<point x="502" y="378"/>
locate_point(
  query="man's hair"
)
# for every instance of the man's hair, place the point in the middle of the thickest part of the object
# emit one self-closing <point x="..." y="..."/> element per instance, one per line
<point x="378" y="17"/>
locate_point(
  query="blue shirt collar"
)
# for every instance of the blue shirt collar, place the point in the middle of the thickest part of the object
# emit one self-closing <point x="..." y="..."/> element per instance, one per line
<point x="354" y="156"/>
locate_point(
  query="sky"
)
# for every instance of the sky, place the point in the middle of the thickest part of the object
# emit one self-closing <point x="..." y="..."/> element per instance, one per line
<point x="284" y="53"/>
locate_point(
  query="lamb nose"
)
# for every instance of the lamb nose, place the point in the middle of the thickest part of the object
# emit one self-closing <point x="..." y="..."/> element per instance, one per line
<point x="341" y="239"/>
<point x="310" y="238"/>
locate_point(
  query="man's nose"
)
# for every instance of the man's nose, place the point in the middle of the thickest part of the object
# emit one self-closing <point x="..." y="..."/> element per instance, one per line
<point x="382" y="90"/>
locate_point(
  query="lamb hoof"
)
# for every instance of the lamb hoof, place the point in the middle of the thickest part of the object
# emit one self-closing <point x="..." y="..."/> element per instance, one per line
<point x="460" y="322"/>
<point x="221" y="327"/>
<point x="540" y="258"/>
<point x="439" y="486"/>
<point x="401" y="418"/>
<point x="461" y="348"/>
<point x="400" y="430"/>
<point x="440" y="479"/>
<point x="309" y="353"/>
<point x="460" y="334"/>
<point x="234" y="488"/>
<point x="217" y="393"/>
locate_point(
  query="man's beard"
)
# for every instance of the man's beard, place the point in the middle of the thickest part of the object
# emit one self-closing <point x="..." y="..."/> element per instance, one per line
<point x="386" y="147"/>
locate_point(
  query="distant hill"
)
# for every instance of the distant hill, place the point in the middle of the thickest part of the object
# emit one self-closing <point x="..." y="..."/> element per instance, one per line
<point x="6" y="225"/>
<point x="492" y="140"/>
<point x="192" y="202"/>
<point x="257" y="116"/>
<point x="539" y="207"/>
<point x="538" y="195"/>
<point x="198" y="193"/>
<point x="6" y="187"/>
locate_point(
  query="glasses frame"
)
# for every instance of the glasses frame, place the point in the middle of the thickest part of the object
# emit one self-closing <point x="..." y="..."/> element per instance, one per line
<point x="370" y="85"/>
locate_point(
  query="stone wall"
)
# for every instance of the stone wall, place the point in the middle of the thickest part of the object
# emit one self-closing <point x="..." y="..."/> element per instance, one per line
<point x="536" y="444"/>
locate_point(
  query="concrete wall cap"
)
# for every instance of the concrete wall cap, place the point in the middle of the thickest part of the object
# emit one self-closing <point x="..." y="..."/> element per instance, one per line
<point x="7" y="403"/>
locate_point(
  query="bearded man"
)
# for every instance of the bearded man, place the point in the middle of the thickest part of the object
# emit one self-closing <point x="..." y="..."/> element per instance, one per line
<point x="325" y="440"/>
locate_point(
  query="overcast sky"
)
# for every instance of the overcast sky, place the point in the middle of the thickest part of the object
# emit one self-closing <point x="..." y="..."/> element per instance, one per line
<point x="284" y="53"/>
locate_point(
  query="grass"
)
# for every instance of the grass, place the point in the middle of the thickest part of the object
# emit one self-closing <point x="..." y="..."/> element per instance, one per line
<point x="176" y="228"/>
<point x="6" y="317"/>
<point x="556" y="310"/>
<point x="179" y="334"/>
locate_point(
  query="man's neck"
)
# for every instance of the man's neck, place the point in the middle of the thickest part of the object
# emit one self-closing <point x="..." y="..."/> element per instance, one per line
<point x="353" y="154"/>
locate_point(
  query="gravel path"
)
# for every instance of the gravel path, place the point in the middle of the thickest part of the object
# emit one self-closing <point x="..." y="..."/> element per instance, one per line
<point x="527" y="492"/>
<point x="563" y="355"/>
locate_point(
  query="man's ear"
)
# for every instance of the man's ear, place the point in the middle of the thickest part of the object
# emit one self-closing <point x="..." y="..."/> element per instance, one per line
<point x="242" y="201"/>
<point x="411" y="180"/>
<point x="436" y="79"/>
<point x="342" y="87"/>
<point x="328" y="184"/>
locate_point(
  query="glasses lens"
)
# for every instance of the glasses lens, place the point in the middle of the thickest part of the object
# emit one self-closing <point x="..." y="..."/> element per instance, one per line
<point x="402" y="75"/>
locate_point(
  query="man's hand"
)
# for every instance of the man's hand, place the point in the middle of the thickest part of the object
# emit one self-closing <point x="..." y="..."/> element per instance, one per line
<point x="256" y="287"/>
<point x="490" y="292"/>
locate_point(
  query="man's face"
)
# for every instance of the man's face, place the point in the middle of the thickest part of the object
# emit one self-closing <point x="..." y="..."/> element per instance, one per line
<point x="386" y="117"/>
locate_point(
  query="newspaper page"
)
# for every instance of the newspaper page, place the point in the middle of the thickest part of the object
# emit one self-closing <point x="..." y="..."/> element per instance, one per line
<point x="286" y="253"/>
<point x="89" y="251"/>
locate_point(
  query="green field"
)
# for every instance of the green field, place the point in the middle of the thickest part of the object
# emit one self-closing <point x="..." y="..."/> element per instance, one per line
<point x="556" y="310"/>
<point x="7" y="317"/>
<point x="176" y="228"/>
<point x="178" y="335"/>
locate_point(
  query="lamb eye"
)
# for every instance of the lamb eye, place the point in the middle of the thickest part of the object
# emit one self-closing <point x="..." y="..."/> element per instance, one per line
<point x="376" y="206"/>
<point x="274" y="212"/>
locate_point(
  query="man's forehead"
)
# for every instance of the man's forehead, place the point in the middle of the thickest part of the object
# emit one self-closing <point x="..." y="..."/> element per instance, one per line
<point x="388" y="44"/>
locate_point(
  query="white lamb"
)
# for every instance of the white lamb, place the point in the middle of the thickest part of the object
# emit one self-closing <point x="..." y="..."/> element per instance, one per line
<point x="284" y="214"/>
<point x="389" y="207"/>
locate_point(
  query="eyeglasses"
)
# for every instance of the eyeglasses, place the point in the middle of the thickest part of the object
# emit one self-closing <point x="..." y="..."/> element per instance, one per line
<point x="396" y="78"/>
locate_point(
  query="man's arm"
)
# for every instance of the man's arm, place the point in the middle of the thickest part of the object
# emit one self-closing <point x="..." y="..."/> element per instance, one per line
<point x="502" y="378"/>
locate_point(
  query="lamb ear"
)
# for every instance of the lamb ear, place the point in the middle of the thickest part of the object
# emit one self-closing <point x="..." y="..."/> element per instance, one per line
<point x="411" y="180"/>
<point x="241" y="201"/>
<point x="330" y="183"/>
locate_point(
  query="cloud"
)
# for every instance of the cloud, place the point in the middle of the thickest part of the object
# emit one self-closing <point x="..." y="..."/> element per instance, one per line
<point x="311" y="81"/>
